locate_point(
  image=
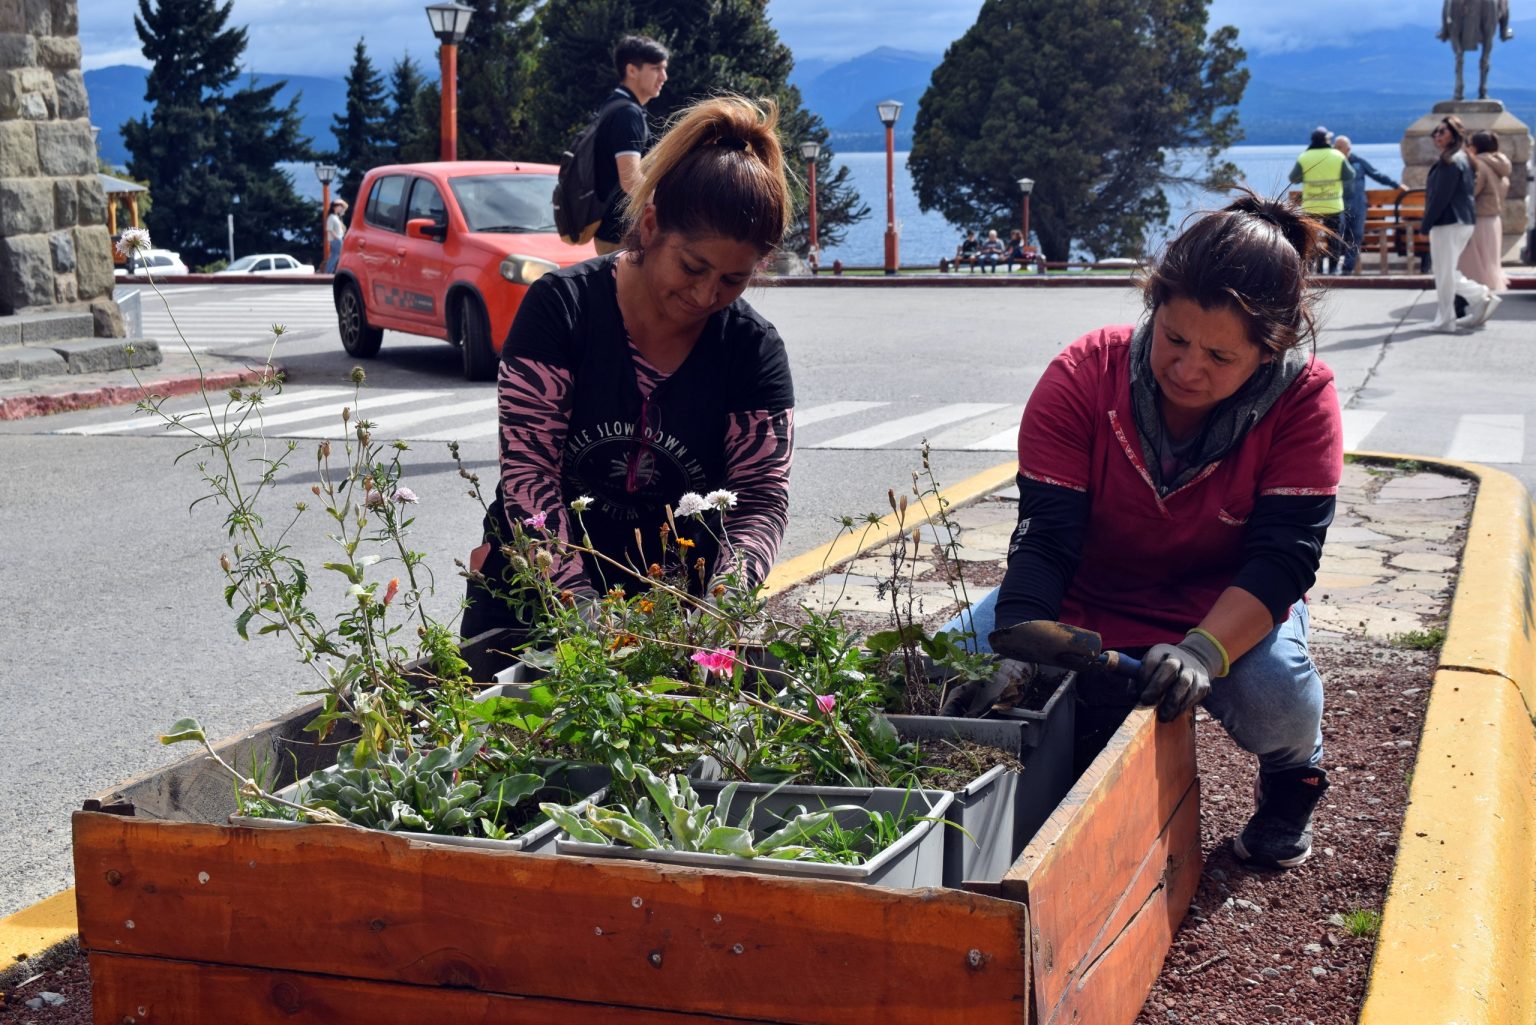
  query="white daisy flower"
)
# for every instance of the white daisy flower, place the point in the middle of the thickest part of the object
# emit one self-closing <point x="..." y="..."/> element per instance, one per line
<point x="721" y="499"/>
<point x="692" y="504"/>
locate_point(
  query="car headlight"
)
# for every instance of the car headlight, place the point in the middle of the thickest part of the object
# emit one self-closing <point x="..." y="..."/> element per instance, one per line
<point x="525" y="270"/>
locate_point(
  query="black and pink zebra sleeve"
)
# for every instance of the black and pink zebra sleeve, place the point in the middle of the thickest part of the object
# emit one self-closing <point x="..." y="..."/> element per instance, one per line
<point x="759" y="446"/>
<point x="533" y="406"/>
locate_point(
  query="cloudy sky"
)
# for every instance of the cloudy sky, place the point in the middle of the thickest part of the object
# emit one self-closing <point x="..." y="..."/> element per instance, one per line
<point x="316" y="36"/>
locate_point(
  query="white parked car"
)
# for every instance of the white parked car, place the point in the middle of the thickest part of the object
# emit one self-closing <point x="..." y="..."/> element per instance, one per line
<point x="159" y="262"/>
<point x="267" y="263"/>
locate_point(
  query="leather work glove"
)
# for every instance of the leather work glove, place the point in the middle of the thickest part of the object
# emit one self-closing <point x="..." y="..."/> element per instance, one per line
<point x="975" y="698"/>
<point x="1177" y="677"/>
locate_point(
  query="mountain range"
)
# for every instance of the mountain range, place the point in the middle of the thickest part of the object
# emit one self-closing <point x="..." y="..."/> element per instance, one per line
<point x="1369" y="88"/>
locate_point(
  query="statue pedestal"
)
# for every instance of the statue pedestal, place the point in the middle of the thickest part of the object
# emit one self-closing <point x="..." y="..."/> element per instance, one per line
<point x="1515" y="142"/>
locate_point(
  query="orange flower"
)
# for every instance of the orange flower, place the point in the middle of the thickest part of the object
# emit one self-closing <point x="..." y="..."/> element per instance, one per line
<point x="684" y="543"/>
<point x="647" y="606"/>
<point x="392" y="590"/>
<point x="655" y="571"/>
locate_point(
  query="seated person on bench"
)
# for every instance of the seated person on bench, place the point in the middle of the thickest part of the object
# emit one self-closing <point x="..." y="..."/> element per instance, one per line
<point x="992" y="252"/>
<point x="1176" y="481"/>
<point x="968" y="251"/>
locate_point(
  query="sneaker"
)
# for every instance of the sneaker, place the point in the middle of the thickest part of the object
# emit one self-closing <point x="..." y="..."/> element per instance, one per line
<point x="1481" y="316"/>
<point x="1280" y="833"/>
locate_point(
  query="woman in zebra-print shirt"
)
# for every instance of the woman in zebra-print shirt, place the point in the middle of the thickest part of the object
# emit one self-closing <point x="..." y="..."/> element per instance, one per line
<point x="640" y="376"/>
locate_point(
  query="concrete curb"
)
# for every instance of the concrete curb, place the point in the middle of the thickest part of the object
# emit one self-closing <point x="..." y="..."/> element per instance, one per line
<point x="34" y="934"/>
<point x="1458" y="935"/>
<point x="19" y="407"/>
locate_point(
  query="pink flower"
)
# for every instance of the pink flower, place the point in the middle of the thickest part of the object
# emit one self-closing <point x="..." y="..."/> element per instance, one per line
<point x="722" y="661"/>
<point x="536" y="521"/>
<point x="826" y="702"/>
<point x="405" y="496"/>
<point x="373" y="500"/>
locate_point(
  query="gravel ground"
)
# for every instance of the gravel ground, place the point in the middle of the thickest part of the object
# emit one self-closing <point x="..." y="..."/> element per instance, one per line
<point x="1277" y="948"/>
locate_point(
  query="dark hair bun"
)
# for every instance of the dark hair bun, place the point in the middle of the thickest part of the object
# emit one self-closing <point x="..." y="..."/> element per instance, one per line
<point x="1304" y="233"/>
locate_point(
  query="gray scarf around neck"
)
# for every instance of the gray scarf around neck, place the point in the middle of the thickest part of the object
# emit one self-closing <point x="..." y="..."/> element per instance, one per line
<point x="1227" y="424"/>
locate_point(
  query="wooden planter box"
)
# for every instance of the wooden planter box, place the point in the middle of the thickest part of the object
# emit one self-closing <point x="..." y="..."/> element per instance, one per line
<point x="188" y="920"/>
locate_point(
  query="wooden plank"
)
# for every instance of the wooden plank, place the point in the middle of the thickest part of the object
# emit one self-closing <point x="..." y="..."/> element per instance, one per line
<point x="365" y="905"/>
<point x="139" y="989"/>
<point x="1128" y="954"/>
<point x="1078" y="873"/>
<point x="197" y="789"/>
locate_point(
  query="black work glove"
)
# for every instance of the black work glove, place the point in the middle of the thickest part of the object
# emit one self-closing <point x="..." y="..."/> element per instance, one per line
<point x="1177" y="677"/>
<point x="975" y="698"/>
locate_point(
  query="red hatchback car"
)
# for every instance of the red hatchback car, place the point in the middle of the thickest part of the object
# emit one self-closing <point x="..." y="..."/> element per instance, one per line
<point x="447" y="250"/>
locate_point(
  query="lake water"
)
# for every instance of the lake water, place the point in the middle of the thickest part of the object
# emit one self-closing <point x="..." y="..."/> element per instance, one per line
<point x="925" y="237"/>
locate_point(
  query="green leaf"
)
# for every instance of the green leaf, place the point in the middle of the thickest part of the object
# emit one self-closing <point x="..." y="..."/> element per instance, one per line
<point x="354" y="574"/>
<point x="184" y="729"/>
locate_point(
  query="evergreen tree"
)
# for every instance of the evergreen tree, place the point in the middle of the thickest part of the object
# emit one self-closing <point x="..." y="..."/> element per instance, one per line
<point x="1087" y="97"/>
<point x="271" y="215"/>
<point x="360" y="131"/>
<point x="201" y="146"/>
<point x="497" y="76"/>
<point x="411" y="130"/>
<point x="715" y="46"/>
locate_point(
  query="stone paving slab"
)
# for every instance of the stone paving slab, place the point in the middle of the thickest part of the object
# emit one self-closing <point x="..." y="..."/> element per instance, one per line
<point x="1389" y="570"/>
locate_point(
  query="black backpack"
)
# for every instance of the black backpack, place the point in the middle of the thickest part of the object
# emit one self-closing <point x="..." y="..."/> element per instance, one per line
<point x="579" y="210"/>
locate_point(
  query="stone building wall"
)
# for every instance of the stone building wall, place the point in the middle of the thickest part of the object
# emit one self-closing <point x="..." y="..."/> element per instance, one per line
<point x="55" y="253"/>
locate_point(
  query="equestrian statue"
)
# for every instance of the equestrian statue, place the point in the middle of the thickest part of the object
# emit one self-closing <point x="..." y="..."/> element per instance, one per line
<point x="1471" y="25"/>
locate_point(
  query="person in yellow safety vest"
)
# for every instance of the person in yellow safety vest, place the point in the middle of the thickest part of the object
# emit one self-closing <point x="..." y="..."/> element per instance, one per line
<point x="1322" y="172"/>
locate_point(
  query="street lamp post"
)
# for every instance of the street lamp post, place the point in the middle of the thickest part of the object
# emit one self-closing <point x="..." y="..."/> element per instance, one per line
<point x="1026" y="186"/>
<point x="811" y="151"/>
<point x="449" y="23"/>
<point x="889" y="111"/>
<point x="327" y="174"/>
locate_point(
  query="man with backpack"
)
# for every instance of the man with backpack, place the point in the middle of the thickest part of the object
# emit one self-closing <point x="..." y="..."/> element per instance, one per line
<point x="623" y="135"/>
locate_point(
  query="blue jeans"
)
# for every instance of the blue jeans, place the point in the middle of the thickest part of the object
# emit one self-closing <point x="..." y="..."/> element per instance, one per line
<point x="1271" y="703"/>
<point x="330" y="265"/>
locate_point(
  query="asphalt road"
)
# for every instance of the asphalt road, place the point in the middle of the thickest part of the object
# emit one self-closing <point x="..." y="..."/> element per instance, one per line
<point x="114" y="624"/>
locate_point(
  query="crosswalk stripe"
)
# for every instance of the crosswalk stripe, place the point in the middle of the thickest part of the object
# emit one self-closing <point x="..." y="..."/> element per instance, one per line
<point x="394" y="426"/>
<point x="195" y="414"/>
<point x="832" y="410"/>
<point x="1488" y="438"/>
<point x="363" y="411"/>
<point x="1358" y="423"/>
<point x="1002" y="441"/>
<point x="906" y="426"/>
<point x="465" y="432"/>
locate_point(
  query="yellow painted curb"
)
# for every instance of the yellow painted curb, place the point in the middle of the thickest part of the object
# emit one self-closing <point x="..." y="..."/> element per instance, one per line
<point x="1458" y="936"/>
<point x="797" y="570"/>
<point x="35" y="929"/>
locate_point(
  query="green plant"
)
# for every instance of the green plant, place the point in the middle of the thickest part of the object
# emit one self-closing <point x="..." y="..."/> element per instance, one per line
<point x="1432" y="639"/>
<point x="673" y="818"/>
<point x="1362" y="922"/>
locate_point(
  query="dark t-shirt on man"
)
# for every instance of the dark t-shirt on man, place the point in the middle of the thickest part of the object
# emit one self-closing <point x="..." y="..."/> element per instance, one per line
<point x="622" y="128"/>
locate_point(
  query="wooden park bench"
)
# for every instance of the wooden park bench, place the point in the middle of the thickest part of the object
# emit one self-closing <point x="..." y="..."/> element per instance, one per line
<point x="1391" y="228"/>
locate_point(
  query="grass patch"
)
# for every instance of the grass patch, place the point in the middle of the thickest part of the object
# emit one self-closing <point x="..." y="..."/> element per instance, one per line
<point x="1362" y="922"/>
<point x="1432" y="639"/>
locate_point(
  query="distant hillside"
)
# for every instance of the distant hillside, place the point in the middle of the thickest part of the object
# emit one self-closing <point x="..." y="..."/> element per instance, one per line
<point x="1370" y="89"/>
<point x="117" y="96"/>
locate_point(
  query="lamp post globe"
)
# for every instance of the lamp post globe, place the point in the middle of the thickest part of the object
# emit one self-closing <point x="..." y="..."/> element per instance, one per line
<point x="449" y="21"/>
<point x="810" y="150"/>
<point x="889" y="111"/>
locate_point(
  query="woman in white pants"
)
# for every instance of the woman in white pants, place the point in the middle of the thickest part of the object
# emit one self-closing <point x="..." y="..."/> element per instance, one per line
<point x="1449" y="218"/>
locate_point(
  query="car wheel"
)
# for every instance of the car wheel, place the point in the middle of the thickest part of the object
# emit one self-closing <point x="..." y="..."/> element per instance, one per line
<point x="473" y="336"/>
<point x="357" y="337"/>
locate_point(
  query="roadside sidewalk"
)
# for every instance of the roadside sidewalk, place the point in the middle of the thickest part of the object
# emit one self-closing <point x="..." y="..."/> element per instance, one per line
<point x="177" y="374"/>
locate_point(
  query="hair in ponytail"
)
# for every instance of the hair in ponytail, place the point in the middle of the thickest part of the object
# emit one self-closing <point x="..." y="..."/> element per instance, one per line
<point x="1251" y="256"/>
<point x="718" y="170"/>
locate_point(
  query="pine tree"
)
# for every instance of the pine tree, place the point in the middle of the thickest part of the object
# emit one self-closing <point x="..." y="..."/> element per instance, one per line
<point x="360" y="130"/>
<point x="411" y="130"/>
<point x="272" y="217"/>
<point x="497" y="77"/>
<point x="201" y="145"/>
<point x="715" y="46"/>
<point x="1088" y="98"/>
